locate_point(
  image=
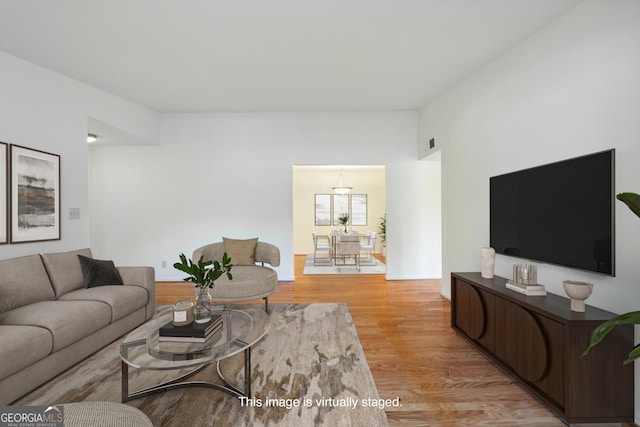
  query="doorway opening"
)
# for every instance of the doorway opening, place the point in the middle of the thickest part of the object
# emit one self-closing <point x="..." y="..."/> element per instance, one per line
<point x="365" y="202"/>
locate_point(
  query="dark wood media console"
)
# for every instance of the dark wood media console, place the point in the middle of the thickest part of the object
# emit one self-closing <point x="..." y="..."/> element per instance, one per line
<point x="538" y="341"/>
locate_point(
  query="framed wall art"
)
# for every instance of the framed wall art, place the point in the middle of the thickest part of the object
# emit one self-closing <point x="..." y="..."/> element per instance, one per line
<point x="358" y="209"/>
<point x="35" y="195"/>
<point x="4" y="197"/>
<point x="323" y="209"/>
<point x="340" y="206"/>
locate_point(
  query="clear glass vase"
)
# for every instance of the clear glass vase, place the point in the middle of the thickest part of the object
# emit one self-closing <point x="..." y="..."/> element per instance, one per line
<point x="202" y="308"/>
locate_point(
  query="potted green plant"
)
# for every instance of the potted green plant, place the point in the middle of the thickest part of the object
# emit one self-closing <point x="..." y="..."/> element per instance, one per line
<point x="203" y="275"/>
<point x="632" y="200"/>
<point x="343" y="219"/>
<point x="382" y="229"/>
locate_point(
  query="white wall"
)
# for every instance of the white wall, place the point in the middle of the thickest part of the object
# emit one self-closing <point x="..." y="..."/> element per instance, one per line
<point x="571" y="89"/>
<point x="225" y="173"/>
<point x="230" y="174"/>
<point x="413" y="221"/>
<point x="48" y="112"/>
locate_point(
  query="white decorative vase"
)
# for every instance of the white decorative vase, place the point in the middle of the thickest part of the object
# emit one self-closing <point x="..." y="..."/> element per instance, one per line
<point x="487" y="262"/>
<point x="578" y="292"/>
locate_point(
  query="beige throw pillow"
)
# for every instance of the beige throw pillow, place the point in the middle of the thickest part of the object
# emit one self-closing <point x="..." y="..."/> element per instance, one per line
<point x="241" y="252"/>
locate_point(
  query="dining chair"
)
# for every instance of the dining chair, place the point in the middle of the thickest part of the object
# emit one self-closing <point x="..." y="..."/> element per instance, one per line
<point x="349" y="246"/>
<point x="335" y="241"/>
<point x="369" y="247"/>
<point x="321" y="243"/>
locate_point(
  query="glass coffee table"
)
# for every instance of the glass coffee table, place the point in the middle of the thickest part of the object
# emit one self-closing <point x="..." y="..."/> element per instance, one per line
<point x="142" y="349"/>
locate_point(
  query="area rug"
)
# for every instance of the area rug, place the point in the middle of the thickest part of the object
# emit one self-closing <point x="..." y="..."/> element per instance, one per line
<point x="309" y="370"/>
<point x="377" y="268"/>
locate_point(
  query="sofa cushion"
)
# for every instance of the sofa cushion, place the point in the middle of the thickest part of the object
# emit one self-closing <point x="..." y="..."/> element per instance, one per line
<point x="22" y="346"/>
<point x="23" y="281"/>
<point x="242" y="252"/>
<point x="64" y="270"/>
<point x="97" y="272"/>
<point x="123" y="300"/>
<point x="68" y="321"/>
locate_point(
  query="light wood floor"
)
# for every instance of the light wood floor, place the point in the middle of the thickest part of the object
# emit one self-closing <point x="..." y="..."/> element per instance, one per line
<point x="404" y="328"/>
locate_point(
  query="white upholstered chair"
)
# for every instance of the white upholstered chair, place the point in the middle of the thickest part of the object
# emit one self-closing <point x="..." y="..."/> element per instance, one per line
<point x="369" y="248"/>
<point x="335" y="241"/>
<point x="321" y="244"/>
<point x="349" y="246"/>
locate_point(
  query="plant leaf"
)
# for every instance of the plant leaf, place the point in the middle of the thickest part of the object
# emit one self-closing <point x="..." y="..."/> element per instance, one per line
<point x="603" y="329"/>
<point x="633" y="355"/>
<point x="632" y="200"/>
<point x="204" y="273"/>
<point x="183" y="265"/>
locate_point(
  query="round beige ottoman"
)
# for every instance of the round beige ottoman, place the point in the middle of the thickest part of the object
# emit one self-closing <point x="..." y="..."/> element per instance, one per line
<point x="103" y="414"/>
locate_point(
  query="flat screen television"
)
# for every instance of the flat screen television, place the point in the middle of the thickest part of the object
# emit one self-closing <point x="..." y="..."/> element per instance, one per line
<point x="560" y="213"/>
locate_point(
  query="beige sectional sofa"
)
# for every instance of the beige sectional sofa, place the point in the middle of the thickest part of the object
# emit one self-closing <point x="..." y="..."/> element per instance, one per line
<point x="50" y="321"/>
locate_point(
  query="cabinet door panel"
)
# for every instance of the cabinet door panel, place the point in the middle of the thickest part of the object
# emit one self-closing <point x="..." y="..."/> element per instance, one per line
<point x="552" y="383"/>
<point x="533" y="346"/>
<point x="487" y="339"/>
<point x="470" y="313"/>
<point x="508" y="333"/>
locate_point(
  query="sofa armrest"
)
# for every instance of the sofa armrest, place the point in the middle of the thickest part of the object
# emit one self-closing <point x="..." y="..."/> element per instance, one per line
<point x="144" y="277"/>
<point x="266" y="252"/>
<point x="210" y="252"/>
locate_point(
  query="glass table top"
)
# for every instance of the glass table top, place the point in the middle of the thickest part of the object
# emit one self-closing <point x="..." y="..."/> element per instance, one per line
<point x="240" y="329"/>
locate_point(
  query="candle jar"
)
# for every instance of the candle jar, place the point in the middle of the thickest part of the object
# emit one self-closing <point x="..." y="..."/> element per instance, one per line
<point x="183" y="313"/>
<point x="525" y="274"/>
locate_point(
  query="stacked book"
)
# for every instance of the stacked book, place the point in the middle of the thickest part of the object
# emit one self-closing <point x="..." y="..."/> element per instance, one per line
<point x="529" y="290"/>
<point x="195" y="332"/>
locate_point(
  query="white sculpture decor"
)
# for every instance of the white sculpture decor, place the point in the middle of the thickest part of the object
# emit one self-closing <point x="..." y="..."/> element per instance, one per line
<point x="487" y="262"/>
<point x="578" y="292"/>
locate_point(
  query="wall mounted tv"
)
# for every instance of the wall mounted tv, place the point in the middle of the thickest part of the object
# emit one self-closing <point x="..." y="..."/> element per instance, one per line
<point x="561" y="213"/>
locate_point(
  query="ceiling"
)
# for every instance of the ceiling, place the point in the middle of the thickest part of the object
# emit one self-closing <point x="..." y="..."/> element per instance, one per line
<point x="275" y="55"/>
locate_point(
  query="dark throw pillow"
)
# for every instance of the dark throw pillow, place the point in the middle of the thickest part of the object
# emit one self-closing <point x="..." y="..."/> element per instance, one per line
<point x="96" y="272"/>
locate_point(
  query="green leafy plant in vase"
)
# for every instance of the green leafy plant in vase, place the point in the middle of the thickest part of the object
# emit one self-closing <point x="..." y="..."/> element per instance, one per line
<point x="632" y="200"/>
<point x="343" y="219"/>
<point x="203" y="275"/>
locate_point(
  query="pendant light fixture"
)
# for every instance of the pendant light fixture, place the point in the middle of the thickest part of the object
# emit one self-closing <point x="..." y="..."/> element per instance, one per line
<point x="341" y="188"/>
